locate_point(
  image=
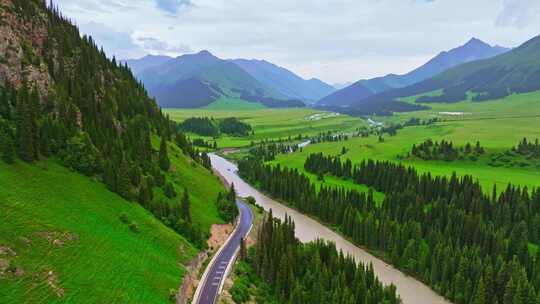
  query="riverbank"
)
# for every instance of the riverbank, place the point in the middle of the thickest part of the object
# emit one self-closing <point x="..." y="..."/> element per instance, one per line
<point x="411" y="290"/>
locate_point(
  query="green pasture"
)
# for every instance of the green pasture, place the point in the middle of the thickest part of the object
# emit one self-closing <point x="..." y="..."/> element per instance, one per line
<point x="273" y="123"/>
<point x="498" y="125"/>
<point x="72" y="247"/>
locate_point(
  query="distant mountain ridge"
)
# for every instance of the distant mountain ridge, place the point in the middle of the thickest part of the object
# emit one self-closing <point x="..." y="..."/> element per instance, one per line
<point x="516" y="71"/>
<point x="284" y="81"/>
<point x="196" y="80"/>
<point x="474" y="49"/>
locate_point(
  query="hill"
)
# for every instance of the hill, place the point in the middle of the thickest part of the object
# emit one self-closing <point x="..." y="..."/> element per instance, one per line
<point x="474" y="49"/>
<point x="93" y="174"/>
<point x="517" y="71"/>
<point x="197" y="80"/>
<point x="284" y="81"/>
<point x="139" y="65"/>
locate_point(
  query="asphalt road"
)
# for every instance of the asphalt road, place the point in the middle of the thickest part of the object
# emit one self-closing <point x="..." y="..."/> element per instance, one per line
<point x="216" y="275"/>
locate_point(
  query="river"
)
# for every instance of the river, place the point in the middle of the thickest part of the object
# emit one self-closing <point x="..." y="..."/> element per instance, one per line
<point x="410" y="290"/>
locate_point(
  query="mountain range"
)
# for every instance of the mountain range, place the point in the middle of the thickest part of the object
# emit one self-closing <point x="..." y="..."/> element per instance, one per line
<point x="474" y="49"/>
<point x="197" y="80"/>
<point x="515" y="71"/>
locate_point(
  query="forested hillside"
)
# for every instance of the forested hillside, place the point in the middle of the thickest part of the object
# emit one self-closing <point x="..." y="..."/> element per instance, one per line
<point x="63" y="101"/>
<point x="308" y="273"/>
<point x="469" y="246"/>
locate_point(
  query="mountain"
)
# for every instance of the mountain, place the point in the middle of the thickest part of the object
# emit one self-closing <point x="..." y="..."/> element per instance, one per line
<point x="139" y="65"/>
<point x="515" y="71"/>
<point x="474" y="49"/>
<point x="343" y="85"/>
<point x="284" y="81"/>
<point x="92" y="173"/>
<point x="197" y="80"/>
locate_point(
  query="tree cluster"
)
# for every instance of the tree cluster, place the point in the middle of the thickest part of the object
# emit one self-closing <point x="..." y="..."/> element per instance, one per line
<point x="315" y="272"/>
<point x="469" y="246"/>
<point x="328" y="137"/>
<point x="233" y="126"/>
<point x="528" y="148"/>
<point x="446" y="150"/>
<point x="203" y="126"/>
<point x="269" y="151"/>
<point x="227" y="205"/>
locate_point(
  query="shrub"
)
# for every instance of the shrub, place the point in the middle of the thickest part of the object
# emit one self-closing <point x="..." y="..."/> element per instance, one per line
<point x="134" y="227"/>
<point x="124" y="218"/>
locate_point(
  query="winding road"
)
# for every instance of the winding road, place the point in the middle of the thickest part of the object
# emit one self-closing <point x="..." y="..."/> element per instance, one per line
<point x="217" y="271"/>
<point x="410" y="290"/>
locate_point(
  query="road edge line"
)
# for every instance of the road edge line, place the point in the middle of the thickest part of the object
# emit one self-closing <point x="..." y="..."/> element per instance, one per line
<point x="212" y="261"/>
<point x="235" y="255"/>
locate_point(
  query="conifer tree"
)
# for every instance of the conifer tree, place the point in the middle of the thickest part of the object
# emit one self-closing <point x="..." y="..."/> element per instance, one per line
<point x="164" y="162"/>
<point x="25" y="126"/>
<point x="7" y="148"/>
<point x="123" y="181"/>
<point x="185" y="207"/>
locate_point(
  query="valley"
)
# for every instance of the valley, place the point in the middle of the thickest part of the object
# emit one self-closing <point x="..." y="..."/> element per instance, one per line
<point x="186" y="152"/>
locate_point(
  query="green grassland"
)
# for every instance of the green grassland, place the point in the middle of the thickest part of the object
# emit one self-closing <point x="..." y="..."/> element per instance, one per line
<point x="498" y="125"/>
<point x="97" y="258"/>
<point x="273" y="123"/>
<point x="227" y="103"/>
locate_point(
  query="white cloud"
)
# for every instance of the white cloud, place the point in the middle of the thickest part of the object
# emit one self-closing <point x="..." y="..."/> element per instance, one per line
<point x="172" y="6"/>
<point x="518" y="13"/>
<point x="337" y="41"/>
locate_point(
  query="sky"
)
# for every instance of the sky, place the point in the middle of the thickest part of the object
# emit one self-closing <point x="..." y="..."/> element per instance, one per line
<point x="337" y="41"/>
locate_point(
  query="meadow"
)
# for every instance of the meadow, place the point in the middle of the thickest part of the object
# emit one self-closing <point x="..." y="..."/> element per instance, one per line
<point x="71" y="245"/>
<point x="499" y="125"/>
<point x="272" y="123"/>
<point x="70" y="233"/>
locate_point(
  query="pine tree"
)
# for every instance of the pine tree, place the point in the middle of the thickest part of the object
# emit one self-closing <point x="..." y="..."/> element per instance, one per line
<point x="25" y="126"/>
<point x="164" y="162"/>
<point x="123" y="181"/>
<point x="480" y="295"/>
<point x="185" y="207"/>
<point x="7" y="148"/>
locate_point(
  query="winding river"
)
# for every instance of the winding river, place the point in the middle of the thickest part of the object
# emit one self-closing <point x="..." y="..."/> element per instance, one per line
<point x="410" y="290"/>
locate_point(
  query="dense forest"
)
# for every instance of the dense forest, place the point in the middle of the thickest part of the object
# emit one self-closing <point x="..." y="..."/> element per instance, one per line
<point x="446" y="150"/>
<point x="94" y="116"/>
<point x="311" y="273"/>
<point x="205" y="126"/>
<point x="469" y="246"/>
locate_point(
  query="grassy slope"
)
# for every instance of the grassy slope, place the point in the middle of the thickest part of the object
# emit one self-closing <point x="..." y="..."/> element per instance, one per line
<point x="498" y="124"/>
<point x="108" y="263"/>
<point x="227" y="103"/>
<point x="203" y="186"/>
<point x="273" y="123"/>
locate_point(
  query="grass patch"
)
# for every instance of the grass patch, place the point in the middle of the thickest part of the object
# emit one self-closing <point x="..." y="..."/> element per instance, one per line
<point x="233" y="104"/>
<point x="273" y="123"/>
<point x="71" y="233"/>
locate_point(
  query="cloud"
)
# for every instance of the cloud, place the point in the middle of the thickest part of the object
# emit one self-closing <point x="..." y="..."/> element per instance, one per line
<point x="337" y="41"/>
<point x="172" y="6"/>
<point x="518" y="13"/>
<point x="158" y="46"/>
<point x="114" y="42"/>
